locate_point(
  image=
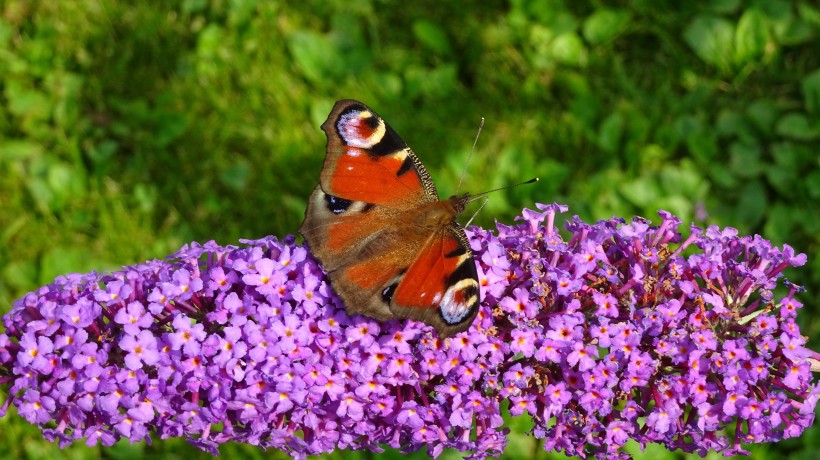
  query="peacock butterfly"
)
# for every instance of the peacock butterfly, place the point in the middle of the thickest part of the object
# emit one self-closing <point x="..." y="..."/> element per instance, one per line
<point x="390" y="246"/>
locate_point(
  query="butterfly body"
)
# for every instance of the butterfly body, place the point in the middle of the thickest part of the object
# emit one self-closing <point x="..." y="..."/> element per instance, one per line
<point x="391" y="247"/>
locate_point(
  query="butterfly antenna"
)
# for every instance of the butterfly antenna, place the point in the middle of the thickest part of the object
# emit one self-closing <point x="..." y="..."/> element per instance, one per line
<point x="464" y="171"/>
<point x="486" y="199"/>
<point x="478" y="196"/>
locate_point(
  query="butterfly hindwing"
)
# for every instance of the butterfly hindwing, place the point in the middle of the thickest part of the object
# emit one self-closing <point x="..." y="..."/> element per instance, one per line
<point x="440" y="288"/>
<point x="338" y="229"/>
<point x="390" y="247"/>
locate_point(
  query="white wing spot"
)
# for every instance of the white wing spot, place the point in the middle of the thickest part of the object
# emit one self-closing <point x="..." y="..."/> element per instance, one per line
<point x="452" y="311"/>
<point x="349" y="125"/>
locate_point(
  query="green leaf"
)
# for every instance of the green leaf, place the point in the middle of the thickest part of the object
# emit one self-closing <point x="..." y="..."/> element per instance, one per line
<point x="68" y="88"/>
<point x="435" y="82"/>
<point x="703" y="146"/>
<point x="60" y="261"/>
<point x="783" y="174"/>
<point x="649" y="156"/>
<point x="787" y="155"/>
<point x="752" y="37"/>
<point x="316" y="57"/>
<point x="641" y="191"/>
<point x="13" y="150"/>
<point x="685" y="125"/>
<point x="810" y="13"/>
<point x="568" y="49"/>
<point x="387" y="85"/>
<point x="776" y="10"/>
<point x="723" y="6"/>
<point x="813" y="184"/>
<point x="432" y="36"/>
<point x="241" y="12"/>
<point x="763" y="113"/>
<point x="788" y="28"/>
<point x="712" y="39"/>
<point x="684" y="179"/>
<point x="723" y="175"/>
<point x="146" y="197"/>
<point x="752" y="203"/>
<point x="796" y="126"/>
<point x="6" y="32"/>
<point x="745" y="159"/>
<point x="102" y="152"/>
<point x="782" y="180"/>
<point x="735" y="125"/>
<point x="170" y="127"/>
<point x="585" y="106"/>
<point x="12" y="228"/>
<point x="194" y="6"/>
<point x="236" y="176"/>
<point x="25" y="102"/>
<point x="780" y="225"/>
<point x="611" y="132"/>
<point x="605" y="24"/>
<point x="53" y="184"/>
<point x="21" y="275"/>
<point x="729" y="123"/>
<point x="40" y="193"/>
<point x="209" y="41"/>
<point x="67" y="184"/>
<point x="811" y="92"/>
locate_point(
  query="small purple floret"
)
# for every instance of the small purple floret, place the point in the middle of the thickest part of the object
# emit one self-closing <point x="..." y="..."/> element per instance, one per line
<point x="622" y="331"/>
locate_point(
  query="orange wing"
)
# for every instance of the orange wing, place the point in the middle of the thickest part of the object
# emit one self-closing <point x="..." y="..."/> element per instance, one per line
<point x="367" y="161"/>
<point x="389" y="246"/>
<point x="441" y="286"/>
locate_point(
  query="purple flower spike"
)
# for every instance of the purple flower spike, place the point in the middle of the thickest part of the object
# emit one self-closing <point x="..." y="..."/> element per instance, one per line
<point x="608" y="336"/>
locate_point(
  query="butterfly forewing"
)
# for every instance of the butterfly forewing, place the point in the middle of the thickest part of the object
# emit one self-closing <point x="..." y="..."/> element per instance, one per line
<point x="367" y="161"/>
<point x="391" y="248"/>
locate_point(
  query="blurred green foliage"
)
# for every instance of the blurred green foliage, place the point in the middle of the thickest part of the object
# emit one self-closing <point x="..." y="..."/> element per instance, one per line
<point x="130" y="128"/>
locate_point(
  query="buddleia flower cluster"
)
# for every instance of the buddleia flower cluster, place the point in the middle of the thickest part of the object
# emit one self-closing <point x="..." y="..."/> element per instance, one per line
<point x="620" y="331"/>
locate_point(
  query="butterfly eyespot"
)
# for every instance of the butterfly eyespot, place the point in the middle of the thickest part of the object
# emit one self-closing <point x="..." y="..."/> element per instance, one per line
<point x="387" y="293"/>
<point x="360" y="128"/>
<point x="337" y="205"/>
<point x="370" y="119"/>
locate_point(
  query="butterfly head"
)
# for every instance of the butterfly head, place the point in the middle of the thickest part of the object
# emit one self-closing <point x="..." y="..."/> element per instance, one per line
<point x="439" y="214"/>
<point x="458" y="202"/>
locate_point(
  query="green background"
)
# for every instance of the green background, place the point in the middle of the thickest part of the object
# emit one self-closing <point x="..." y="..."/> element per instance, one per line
<point x="130" y="128"/>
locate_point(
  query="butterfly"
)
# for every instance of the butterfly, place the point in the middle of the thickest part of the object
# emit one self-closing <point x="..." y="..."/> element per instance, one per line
<point x="390" y="246"/>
